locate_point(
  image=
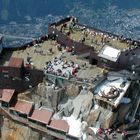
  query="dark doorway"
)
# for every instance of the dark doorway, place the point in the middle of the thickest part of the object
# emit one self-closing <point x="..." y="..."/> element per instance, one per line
<point x="94" y="61"/>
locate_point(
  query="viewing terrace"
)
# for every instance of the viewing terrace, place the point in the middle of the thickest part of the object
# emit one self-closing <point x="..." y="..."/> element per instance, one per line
<point x="36" y="55"/>
<point x="89" y="42"/>
<point x="93" y="37"/>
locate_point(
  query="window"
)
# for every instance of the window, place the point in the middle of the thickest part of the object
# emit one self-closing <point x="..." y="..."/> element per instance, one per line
<point x="5" y="74"/>
<point x="4" y="104"/>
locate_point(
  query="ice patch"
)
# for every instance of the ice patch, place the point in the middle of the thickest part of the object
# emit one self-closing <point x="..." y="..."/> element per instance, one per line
<point x="75" y="128"/>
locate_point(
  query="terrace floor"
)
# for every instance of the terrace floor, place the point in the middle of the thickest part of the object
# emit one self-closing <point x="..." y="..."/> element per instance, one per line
<point x="94" y="40"/>
<point x="88" y="72"/>
<point x="39" y="55"/>
<point x="38" y="59"/>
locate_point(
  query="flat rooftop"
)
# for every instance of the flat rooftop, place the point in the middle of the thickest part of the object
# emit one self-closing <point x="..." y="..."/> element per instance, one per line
<point x="42" y="115"/>
<point x="110" y="53"/>
<point x="15" y="62"/>
<point x="22" y="107"/>
<point x="6" y="95"/>
<point x="60" y="125"/>
<point x="112" y="90"/>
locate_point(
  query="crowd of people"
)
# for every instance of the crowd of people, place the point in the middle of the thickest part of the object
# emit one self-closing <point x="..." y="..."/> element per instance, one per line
<point x="105" y="37"/>
<point x="61" y="67"/>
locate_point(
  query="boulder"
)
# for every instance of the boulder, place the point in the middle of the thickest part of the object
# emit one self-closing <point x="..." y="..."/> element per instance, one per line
<point x="93" y="116"/>
<point x="72" y="90"/>
<point x="109" y="120"/>
<point x="67" y="108"/>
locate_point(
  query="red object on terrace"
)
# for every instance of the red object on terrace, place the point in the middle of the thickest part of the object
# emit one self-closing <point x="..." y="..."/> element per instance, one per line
<point x="74" y="71"/>
<point x="100" y="131"/>
<point x="60" y="125"/>
<point x="28" y="66"/>
<point x="15" y="62"/>
<point x="6" y="95"/>
<point x="69" y="49"/>
<point x="42" y="115"/>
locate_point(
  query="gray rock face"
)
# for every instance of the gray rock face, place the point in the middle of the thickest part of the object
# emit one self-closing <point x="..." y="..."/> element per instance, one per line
<point x="79" y="107"/>
<point x="93" y="116"/>
<point x="82" y="104"/>
<point x="47" y="137"/>
<point x="51" y="96"/>
<point x="41" y="90"/>
<point x="58" y="115"/>
<point x="66" y="108"/>
<point x="15" y="131"/>
<point x="72" y="90"/>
